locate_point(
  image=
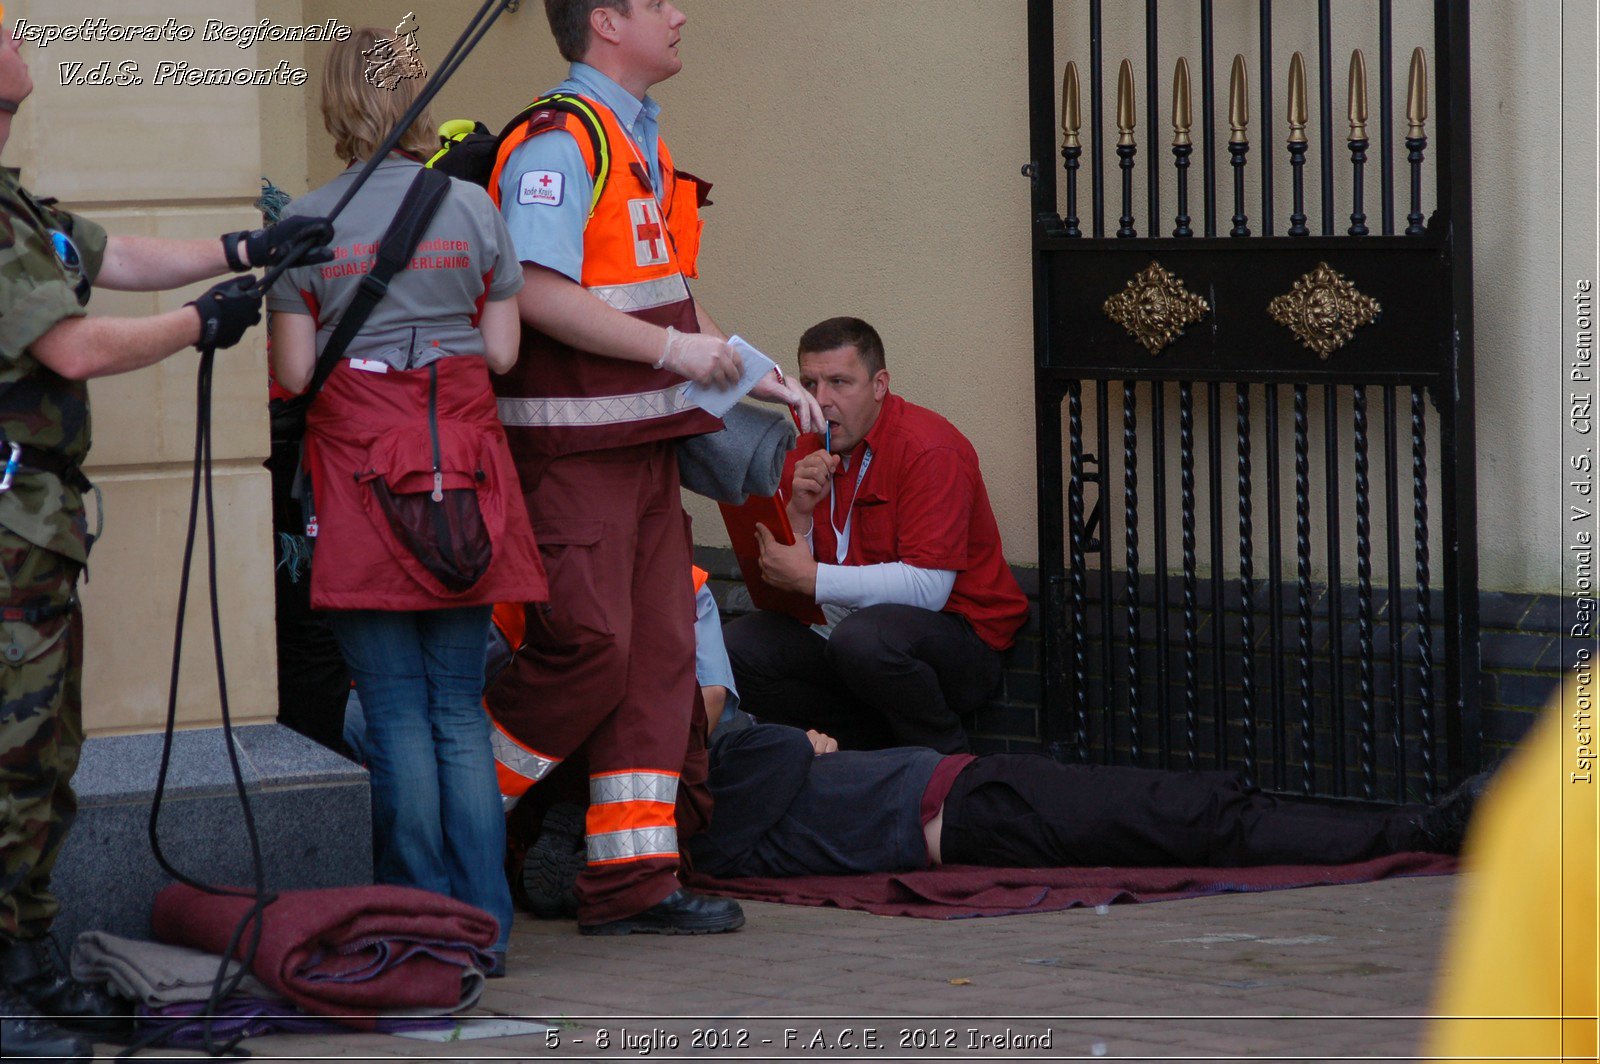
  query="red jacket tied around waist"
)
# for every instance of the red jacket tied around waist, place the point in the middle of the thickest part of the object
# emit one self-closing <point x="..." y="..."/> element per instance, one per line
<point x="373" y="438"/>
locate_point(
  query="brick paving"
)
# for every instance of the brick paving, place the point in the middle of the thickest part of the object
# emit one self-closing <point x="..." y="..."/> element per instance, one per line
<point x="1321" y="973"/>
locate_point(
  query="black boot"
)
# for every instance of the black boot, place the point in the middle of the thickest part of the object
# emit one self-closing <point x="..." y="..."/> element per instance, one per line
<point x="679" y="913"/>
<point x="34" y="971"/>
<point x="25" y="1035"/>
<point x="552" y="865"/>
<point x="1443" y="825"/>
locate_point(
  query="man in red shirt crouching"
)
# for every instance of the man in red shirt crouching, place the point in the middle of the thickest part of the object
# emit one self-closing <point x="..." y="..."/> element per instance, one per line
<point x="896" y="540"/>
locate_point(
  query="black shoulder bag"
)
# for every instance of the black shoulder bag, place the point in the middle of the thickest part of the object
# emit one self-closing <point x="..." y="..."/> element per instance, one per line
<point x="395" y="249"/>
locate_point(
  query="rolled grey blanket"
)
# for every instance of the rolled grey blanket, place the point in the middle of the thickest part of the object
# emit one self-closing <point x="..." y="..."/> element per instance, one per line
<point x="744" y="459"/>
<point x="152" y="973"/>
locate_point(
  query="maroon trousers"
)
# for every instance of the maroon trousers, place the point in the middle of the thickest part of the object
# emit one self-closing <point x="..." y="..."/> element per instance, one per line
<point x="608" y="665"/>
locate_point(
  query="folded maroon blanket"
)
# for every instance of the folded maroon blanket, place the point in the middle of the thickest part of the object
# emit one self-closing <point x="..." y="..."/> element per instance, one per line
<point x="347" y="952"/>
<point x="957" y="891"/>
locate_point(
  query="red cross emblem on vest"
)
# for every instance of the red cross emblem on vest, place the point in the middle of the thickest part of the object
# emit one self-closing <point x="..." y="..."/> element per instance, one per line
<point x="649" y="236"/>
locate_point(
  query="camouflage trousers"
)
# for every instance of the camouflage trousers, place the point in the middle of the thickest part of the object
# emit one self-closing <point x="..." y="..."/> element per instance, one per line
<point x="41" y="728"/>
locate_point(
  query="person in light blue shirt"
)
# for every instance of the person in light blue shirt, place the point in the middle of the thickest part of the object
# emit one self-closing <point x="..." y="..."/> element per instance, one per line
<point x="551" y="234"/>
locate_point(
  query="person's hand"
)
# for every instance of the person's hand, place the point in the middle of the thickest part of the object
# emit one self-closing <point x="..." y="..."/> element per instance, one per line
<point x="821" y="743"/>
<point x="269" y="246"/>
<point x="774" y="388"/>
<point x="813" y="480"/>
<point x="226" y="310"/>
<point x="701" y="358"/>
<point x="787" y="568"/>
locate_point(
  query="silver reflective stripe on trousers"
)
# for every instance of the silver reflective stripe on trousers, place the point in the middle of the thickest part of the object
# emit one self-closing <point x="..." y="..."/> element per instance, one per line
<point x="633" y="845"/>
<point x="522" y="762"/>
<point x="633" y="787"/>
<point x="643" y="295"/>
<point x="605" y="410"/>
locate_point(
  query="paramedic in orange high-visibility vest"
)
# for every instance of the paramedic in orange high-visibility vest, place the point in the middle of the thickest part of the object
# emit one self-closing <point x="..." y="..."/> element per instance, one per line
<point x="608" y="230"/>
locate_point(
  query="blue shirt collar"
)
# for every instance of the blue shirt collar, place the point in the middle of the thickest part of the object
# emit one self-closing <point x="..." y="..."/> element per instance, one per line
<point x="624" y="104"/>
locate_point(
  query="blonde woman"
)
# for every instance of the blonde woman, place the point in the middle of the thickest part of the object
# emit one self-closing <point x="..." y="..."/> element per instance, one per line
<point x="417" y="514"/>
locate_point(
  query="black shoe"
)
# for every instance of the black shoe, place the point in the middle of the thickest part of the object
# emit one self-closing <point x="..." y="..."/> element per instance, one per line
<point x="679" y="913"/>
<point x="34" y="971"/>
<point x="551" y="866"/>
<point x="1444" y="824"/>
<point x="25" y="1035"/>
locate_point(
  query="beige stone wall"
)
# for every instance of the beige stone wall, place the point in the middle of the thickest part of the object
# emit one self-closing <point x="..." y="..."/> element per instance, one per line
<point x="170" y="162"/>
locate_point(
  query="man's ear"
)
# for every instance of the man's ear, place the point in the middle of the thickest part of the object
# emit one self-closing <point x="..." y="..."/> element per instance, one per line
<point x="603" y="25"/>
<point x="880" y="384"/>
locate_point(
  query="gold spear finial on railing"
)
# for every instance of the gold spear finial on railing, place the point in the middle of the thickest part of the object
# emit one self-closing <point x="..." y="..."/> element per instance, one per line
<point x="1417" y="95"/>
<point x="1182" y="115"/>
<point x="1239" y="102"/>
<point x="1125" y="106"/>
<point x="1071" y="117"/>
<point x="1358" y="96"/>
<point x="1298" y="116"/>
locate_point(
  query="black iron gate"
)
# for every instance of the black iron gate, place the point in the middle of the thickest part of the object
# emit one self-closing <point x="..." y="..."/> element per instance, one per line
<point x="1196" y="598"/>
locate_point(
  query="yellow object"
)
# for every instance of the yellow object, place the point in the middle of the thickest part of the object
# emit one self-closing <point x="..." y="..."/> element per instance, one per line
<point x="1519" y="975"/>
<point x="456" y="128"/>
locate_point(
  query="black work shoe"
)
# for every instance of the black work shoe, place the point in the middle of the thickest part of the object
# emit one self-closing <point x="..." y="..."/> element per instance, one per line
<point x="679" y="913"/>
<point x="25" y="1035"/>
<point x="551" y="866"/>
<point x="34" y="971"/>
<point x="1443" y="825"/>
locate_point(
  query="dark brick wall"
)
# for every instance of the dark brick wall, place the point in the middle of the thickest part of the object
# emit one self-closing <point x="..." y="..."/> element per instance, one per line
<point x="1520" y="641"/>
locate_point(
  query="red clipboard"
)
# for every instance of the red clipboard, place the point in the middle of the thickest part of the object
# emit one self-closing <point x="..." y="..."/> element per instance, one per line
<point x="741" y="522"/>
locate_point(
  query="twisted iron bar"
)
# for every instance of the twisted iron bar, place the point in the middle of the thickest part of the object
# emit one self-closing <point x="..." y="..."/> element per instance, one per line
<point x="1130" y="517"/>
<point x="1247" y="621"/>
<point x="1075" y="535"/>
<point x="1369" y="708"/>
<point x="1419" y="486"/>
<point x="1302" y="541"/>
<point x="1191" y="653"/>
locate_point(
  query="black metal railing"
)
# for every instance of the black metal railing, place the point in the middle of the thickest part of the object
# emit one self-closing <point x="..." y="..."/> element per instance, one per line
<point x="1231" y="632"/>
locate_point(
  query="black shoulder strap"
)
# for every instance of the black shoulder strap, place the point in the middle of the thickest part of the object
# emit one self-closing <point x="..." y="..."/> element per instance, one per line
<point x="580" y="109"/>
<point x="395" y="249"/>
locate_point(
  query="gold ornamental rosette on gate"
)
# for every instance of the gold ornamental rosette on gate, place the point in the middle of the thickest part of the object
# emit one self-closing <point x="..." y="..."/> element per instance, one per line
<point x="1155" y="307"/>
<point x="1324" y="310"/>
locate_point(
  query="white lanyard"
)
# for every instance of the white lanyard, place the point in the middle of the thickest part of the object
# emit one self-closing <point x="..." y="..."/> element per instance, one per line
<point x="841" y="536"/>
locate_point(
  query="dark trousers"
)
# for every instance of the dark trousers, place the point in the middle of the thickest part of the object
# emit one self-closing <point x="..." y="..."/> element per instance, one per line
<point x="313" y="683"/>
<point x="1026" y="810"/>
<point x="888" y="675"/>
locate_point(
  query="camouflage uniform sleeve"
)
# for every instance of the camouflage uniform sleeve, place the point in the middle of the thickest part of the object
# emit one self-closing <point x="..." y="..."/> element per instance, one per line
<point x="33" y="297"/>
<point x="90" y="238"/>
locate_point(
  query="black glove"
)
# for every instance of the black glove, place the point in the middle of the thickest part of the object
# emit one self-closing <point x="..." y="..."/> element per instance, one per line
<point x="226" y="311"/>
<point x="267" y="247"/>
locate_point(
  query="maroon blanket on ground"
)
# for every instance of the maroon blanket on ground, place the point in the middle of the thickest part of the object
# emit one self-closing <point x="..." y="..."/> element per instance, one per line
<point x="347" y="952"/>
<point x="958" y="891"/>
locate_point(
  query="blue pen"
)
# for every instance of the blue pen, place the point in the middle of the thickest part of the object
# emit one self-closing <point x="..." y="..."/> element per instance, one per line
<point x="827" y="437"/>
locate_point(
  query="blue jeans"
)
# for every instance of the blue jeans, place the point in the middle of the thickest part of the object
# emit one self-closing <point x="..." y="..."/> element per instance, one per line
<point x="437" y="819"/>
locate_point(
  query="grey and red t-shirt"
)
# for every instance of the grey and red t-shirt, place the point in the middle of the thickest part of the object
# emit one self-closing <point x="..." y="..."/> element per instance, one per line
<point x="431" y="309"/>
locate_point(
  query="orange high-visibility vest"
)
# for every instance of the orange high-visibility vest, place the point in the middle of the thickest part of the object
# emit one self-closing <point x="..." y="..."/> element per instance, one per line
<point x="637" y="252"/>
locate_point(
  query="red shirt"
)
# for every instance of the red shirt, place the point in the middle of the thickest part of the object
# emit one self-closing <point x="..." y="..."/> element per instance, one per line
<point x="922" y="502"/>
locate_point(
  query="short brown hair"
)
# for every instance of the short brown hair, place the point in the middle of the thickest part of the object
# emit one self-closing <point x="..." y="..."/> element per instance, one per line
<point x="569" y="23"/>
<point x="360" y="114"/>
<point x="843" y="332"/>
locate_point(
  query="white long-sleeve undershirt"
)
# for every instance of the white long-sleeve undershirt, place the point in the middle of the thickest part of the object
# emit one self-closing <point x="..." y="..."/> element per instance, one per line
<point x="858" y="586"/>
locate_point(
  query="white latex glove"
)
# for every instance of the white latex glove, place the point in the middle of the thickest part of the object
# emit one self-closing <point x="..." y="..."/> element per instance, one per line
<point x="789" y="392"/>
<point x="703" y="359"/>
